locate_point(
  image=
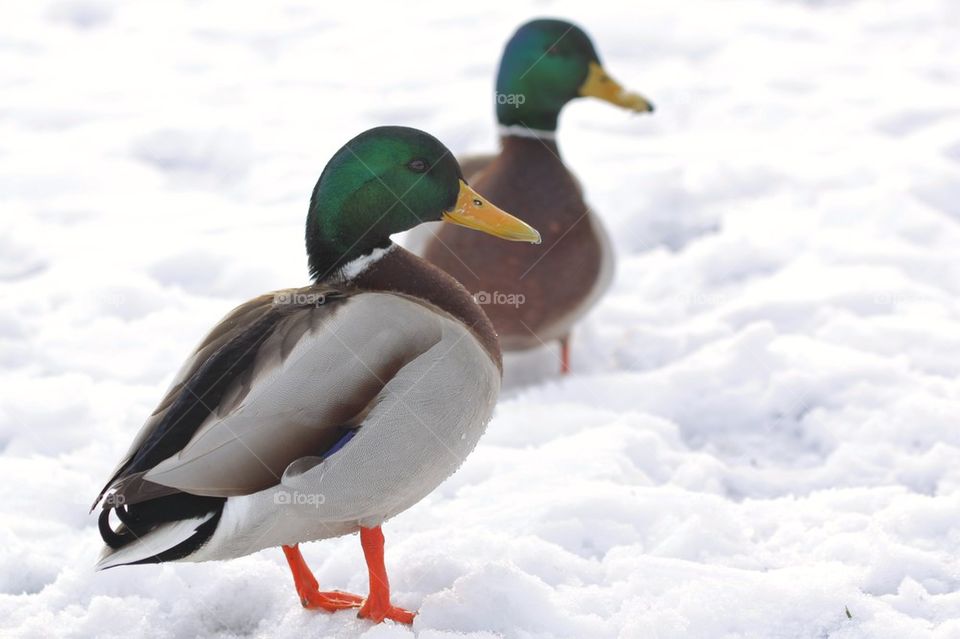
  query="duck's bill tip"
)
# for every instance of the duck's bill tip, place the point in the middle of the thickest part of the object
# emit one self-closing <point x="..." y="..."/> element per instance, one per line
<point x="474" y="212"/>
<point x="600" y="85"/>
<point x="636" y="103"/>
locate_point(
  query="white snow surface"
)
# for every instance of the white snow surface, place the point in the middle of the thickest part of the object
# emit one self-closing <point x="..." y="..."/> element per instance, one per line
<point x="760" y="437"/>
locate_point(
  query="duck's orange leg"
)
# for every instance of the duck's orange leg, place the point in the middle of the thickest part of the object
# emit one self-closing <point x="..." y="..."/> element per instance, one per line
<point x="564" y="354"/>
<point x="308" y="589"/>
<point x="377" y="606"/>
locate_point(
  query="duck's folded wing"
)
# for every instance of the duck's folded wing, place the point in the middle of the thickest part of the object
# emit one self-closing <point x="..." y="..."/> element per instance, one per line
<point x="277" y="383"/>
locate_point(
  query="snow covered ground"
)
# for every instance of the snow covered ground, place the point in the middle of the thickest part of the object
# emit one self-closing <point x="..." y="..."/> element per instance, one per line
<point x="761" y="436"/>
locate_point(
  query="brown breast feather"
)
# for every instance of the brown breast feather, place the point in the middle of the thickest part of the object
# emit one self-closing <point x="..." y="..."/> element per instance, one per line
<point x="529" y="180"/>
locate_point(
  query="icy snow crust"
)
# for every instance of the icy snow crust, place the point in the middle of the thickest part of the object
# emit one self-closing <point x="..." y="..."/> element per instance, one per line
<point x="761" y="431"/>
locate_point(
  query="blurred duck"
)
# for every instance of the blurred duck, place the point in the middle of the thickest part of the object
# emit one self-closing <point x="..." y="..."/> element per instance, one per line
<point x="536" y="296"/>
<point x="321" y="411"/>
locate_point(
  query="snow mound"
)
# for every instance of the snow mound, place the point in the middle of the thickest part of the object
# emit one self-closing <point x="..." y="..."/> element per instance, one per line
<point x="760" y="435"/>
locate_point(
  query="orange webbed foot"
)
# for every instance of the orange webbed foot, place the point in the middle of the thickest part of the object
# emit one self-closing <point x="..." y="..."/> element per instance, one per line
<point x="377" y="606"/>
<point x="331" y="601"/>
<point x="377" y="612"/>
<point x="307" y="588"/>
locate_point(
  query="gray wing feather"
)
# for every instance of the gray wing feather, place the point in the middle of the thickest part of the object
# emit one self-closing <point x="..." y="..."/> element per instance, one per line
<point x="296" y="405"/>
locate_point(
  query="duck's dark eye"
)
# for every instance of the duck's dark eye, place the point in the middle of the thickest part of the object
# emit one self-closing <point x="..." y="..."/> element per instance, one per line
<point x="477" y="203"/>
<point x="417" y="166"/>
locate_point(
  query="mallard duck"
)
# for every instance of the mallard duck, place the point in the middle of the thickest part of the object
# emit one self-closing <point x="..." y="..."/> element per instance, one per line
<point x="314" y="412"/>
<point x="535" y="296"/>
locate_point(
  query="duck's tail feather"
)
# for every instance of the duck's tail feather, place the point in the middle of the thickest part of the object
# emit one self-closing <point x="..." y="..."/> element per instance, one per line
<point x="163" y="529"/>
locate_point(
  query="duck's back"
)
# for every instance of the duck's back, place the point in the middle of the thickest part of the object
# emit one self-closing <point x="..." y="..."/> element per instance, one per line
<point x="531" y="294"/>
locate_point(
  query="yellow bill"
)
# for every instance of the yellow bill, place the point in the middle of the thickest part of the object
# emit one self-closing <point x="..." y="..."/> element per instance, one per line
<point x="600" y="85"/>
<point x="474" y="212"/>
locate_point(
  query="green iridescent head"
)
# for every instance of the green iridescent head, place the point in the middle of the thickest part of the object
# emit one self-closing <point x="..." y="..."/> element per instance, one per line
<point x="387" y="180"/>
<point x="546" y="64"/>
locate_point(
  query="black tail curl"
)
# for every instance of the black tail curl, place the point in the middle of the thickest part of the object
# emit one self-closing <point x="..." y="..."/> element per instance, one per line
<point x="138" y="520"/>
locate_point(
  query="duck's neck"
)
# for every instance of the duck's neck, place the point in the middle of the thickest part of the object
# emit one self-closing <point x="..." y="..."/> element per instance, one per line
<point x="531" y="147"/>
<point x="355" y="267"/>
<point x="396" y="270"/>
<point x="328" y="258"/>
<point x="548" y="137"/>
